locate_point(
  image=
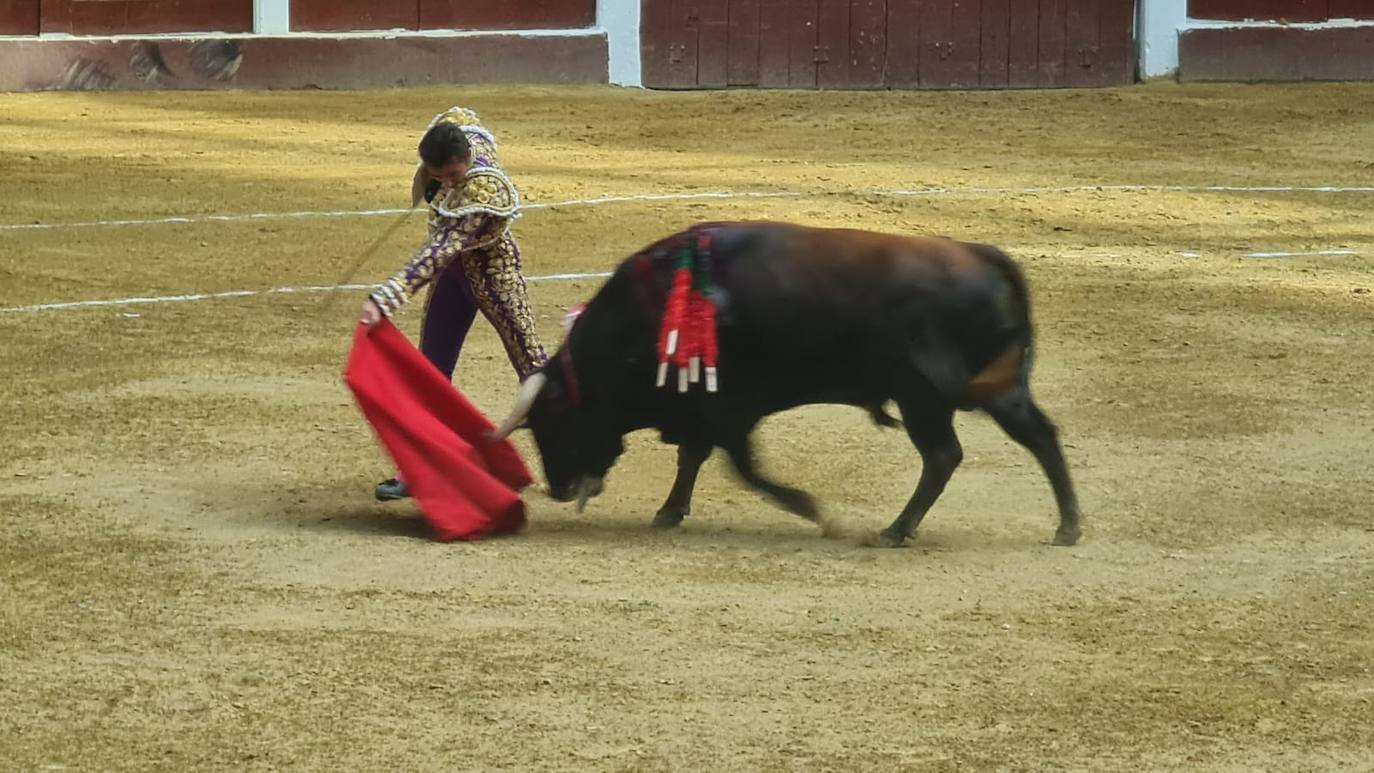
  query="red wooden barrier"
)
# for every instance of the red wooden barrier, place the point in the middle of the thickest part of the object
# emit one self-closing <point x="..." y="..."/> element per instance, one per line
<point x="1288" y="10"/>
<point x="1350" y="9"/>
<point x="332" y="15"/>
<point x="506" y="14"/>
<point x="18" y="17"/>
<point x="337" y="15"/>
<point x="1281" y="10"/>
<point x="110" y="17"/>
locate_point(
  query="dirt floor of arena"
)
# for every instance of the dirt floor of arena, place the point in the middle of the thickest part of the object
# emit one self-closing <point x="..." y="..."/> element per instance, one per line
<point x="195" y="575"/>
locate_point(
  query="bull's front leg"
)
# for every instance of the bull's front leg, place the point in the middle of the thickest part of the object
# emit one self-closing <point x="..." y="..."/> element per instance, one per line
<point x="690" y="457"/>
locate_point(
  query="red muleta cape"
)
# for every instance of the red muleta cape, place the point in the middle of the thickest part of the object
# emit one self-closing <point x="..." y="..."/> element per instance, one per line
<point x="466" y="485"/>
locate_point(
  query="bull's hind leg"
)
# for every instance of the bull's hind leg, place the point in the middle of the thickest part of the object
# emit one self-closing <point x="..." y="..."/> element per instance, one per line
<point x="931" y="430"/>
<point x="690" y="457"/>
<point x="1019" y="416"/>
<point x="793" y="500"/>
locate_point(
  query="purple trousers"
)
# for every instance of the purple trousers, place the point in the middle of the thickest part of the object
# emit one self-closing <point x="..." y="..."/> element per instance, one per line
<point x="489" y="280"/>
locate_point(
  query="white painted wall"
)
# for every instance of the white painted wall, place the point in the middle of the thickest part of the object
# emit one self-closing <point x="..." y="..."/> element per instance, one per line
<point x="620" y="20"/>
<point x="271" y="17"/>
<point x="1157" y="27"/>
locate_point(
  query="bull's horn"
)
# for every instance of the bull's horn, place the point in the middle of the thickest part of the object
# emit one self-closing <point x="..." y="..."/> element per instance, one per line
<point x="418" y="185"/>
<point x="585" y="487"/>
<point x="523" y="403"/>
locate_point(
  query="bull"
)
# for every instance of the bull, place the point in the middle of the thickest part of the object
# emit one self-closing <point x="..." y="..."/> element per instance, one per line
<point x="805" y="316"/>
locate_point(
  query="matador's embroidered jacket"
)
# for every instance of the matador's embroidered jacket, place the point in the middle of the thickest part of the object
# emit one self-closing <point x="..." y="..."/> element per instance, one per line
<point x="470" y="224"/>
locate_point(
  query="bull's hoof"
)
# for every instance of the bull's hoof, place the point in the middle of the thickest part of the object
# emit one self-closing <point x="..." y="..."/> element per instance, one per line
<point x="888" y="538"/>
<point x="669" y="519"/>
<point x="801" y="503"/>
<point x="1067" y="537"/>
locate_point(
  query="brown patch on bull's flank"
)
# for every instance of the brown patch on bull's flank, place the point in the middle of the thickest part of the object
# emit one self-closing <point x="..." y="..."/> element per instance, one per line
<point x="999" y="376"/>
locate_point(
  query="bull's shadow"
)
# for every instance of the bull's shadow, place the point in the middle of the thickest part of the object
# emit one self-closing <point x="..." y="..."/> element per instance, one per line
<point x="344" y="505"/>
<point x="779" y="532"/>
<point x="628" y="526"/>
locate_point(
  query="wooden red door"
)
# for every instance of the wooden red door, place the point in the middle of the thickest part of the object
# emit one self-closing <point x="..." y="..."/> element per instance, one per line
<point x="1099" y="46"/>
<point x="774" y="44"/>
<point x="867" y="44"/>
<point x="713" y="43"/>
<point x="742" y="42"/>
<point x="667" y="28"/>
<point x="900" y="44"/>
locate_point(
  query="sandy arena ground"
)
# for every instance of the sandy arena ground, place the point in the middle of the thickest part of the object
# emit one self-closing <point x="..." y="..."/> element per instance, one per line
<point x="194" y="576"/>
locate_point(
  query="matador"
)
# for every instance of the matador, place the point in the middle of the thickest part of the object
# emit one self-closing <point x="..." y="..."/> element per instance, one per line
<point x="470" y="260"/>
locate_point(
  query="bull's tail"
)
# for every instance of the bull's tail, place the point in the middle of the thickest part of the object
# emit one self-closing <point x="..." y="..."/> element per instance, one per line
<point x="1010" y="368"/>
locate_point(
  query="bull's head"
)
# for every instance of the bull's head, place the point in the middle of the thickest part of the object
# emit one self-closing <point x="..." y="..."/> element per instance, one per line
<point x="577" y="443"/>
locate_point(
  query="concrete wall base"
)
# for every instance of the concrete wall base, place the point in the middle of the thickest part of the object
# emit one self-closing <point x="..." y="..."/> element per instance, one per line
<point x="302" y="61"/>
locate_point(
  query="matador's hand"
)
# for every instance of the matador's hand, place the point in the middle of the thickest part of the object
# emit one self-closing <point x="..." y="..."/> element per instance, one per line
<point x="372" y="314"/>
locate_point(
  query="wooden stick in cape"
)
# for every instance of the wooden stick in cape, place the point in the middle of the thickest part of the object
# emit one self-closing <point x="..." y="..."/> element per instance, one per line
<point x="365" y="256"/>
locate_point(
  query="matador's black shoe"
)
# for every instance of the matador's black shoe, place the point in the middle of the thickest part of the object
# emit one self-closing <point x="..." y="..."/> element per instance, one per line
<point x="392" y="489"/>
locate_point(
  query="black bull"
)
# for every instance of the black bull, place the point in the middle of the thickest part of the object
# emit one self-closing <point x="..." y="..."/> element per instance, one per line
<point x="805" y="316"/>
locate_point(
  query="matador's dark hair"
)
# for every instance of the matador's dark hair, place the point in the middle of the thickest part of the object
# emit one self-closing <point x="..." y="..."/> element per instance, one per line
<point x="443" y="143"/>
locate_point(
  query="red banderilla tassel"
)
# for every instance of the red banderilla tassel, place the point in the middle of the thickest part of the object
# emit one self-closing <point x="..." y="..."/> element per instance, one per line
<point x="710" y="346"/>
<point x="674" y="307"/>
<point x="689" y="351"/>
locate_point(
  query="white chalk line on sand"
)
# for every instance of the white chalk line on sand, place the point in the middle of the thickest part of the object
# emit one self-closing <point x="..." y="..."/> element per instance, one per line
<point x="138" y="301"/>
<point x="689" y="196"/>
<point x="912" y="192"/>
<point x="246" y="294"/>
<point x="191" y="219"/>
<point x="1308" y="254"/>
<point x="1316" y="253"/>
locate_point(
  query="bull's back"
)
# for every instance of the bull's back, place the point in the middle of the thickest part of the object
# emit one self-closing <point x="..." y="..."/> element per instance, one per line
<point x="850" y="276"/>
<point x="859" y="306"/>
